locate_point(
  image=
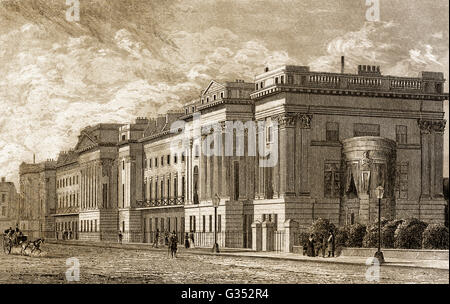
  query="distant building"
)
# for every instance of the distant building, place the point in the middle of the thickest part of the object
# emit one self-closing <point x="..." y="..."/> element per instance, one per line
<point x="8" y="204"/>
<point x="37" y="198"/>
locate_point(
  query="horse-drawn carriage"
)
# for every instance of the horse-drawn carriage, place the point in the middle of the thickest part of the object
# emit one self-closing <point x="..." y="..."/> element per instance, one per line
<point x="19" y="243"/>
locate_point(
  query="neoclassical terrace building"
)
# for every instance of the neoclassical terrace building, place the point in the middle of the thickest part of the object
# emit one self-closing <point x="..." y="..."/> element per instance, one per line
<point x="335" y="137"/>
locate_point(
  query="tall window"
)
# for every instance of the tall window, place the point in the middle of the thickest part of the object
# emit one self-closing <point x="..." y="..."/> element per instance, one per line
<point x="332" y="180"/>
<point x="145" y="189"/>
<point x="162" y="189"/>
<point x="219" y="223"/>
<point x="150" y="189"/>
<point x="123" y="195"/>
<point x="361" y="129"/>
<point x="332" y="133"/>
<point x="168" y="188"/>
<point x="175" y="187"/>
<point x="210" y="223"/>
<point x="145" y="163"/>
<point x="401" y="180"/>
<point x="401" y="134"/>
<point x="204" y="223"/>
<point x="156" y="162"/>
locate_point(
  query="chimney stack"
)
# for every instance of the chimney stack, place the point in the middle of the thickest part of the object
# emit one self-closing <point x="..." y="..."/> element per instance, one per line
<point x="3" y="179"/>
<point x="342" y="64"/>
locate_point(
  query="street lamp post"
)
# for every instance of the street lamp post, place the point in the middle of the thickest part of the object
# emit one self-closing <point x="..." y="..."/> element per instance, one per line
<point x="216" y="201"/>
<point x="379" y="253"/>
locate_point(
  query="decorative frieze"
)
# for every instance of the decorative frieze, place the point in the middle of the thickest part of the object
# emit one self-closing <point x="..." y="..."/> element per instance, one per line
<point x="427" y="126"/>
<point x="290" y="119"/>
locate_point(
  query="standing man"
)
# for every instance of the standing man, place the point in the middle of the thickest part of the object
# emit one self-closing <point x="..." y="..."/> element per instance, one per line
<point x="120" y="236"/>
<point x="331" y="244"/>
<point x="173" y="241"/>
<point x="156" y="240"/>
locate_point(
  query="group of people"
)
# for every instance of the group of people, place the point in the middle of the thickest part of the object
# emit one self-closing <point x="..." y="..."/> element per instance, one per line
<point x="66" y="234"/>
<point x="14" y="234"/>
<point x="320" y="245"/>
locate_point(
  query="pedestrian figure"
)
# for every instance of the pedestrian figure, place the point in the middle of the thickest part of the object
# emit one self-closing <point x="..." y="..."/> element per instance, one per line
<point x="186" y="240"/>
<point x="173" y="241"/>
<point x="310" y="247"/>
<point x="155" y="241"/>
<point x="166" y="238"/>
<point x="331" y="244"/>
<point x="324" y="245"/>
<point x="120" y="236"/>
<point x="191" y="237"/>
<point x="319" y="242"/>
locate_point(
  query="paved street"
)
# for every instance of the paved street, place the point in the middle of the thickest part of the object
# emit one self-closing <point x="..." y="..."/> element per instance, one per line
<point x="114" y="265"/>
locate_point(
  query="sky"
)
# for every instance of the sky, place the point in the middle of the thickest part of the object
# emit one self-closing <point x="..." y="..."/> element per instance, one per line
<point x="130" y="58"/>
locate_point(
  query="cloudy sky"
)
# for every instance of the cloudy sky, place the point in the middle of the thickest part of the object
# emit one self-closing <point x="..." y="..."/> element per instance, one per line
<point x="128" y="58"/>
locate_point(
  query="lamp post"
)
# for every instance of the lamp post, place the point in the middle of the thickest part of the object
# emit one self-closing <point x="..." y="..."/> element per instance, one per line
<point x="216" y="201"/>
<point x="379" y="254"/>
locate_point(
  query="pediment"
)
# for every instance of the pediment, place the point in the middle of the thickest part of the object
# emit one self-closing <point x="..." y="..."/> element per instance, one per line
<point x="84" y="142"/>
<point x="213" y="86"/>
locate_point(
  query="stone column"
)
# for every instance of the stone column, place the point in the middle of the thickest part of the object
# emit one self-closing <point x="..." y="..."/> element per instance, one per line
<point x="290" y="233"/>
<point x="203" y="170"/>
<point x="439" y="127"/>
<point x="305" y="128"/>
<point x="225" y="166"/>
<point x="425" y="132"/>
<point x="267" y="236"/>
<point x="286" y="126"/>
<point x="256" y="236"/>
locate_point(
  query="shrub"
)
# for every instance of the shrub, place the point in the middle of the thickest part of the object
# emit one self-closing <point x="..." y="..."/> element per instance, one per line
<point x="321" y="228"/>
<point x="435" y="236"/>
<point x="388" y="233"/>
<point x="303" y="238"/>
<point x="371" y="237"/>
<point x="341" y="238"/>
<point x="409" y="234"/>
<point x="356" y="235"/>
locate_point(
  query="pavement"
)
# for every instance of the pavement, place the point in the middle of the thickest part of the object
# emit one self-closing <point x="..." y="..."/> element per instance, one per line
<point x="240" y="252"/>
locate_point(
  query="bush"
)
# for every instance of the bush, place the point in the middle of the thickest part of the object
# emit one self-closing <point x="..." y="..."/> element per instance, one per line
<point x="388" y="233"/>
<point x="321" y="228"/>
<point x="435" y="236"/>
<point x="356" y="235"/>
<point x="409" y="234"/>
<point x="371" y="238"/>
<point x="303" y="238"/>
<point x="341" y="238"/>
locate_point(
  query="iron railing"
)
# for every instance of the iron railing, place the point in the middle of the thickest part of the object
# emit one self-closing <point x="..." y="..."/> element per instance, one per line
<point x="177" y="201"/>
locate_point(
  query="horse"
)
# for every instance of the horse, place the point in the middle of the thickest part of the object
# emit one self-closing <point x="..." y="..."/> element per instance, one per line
<point x="33" y="246"/>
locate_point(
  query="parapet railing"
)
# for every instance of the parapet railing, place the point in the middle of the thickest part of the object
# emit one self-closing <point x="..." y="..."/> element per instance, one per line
<point x="160" y="202"/>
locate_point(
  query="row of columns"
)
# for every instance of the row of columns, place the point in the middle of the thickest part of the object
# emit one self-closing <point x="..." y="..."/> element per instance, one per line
<point x="89" y="185"/>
